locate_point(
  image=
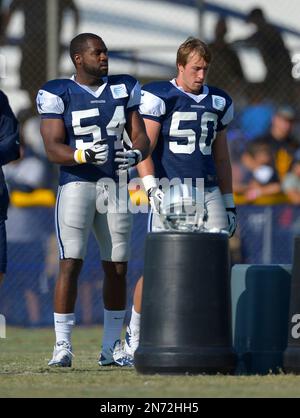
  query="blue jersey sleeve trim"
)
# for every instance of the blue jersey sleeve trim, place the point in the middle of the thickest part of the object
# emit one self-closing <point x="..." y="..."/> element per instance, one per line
<point x="154" y="118"/>
<point x="133" y="108"/>
<point x="51" y="116"/>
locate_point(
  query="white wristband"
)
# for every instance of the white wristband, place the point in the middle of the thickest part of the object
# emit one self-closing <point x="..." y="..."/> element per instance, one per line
<point x="149" y="182"/>
<point x="228" y="200"/>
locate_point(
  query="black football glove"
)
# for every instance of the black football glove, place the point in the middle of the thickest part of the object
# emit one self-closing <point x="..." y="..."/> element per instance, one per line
<point x="96" y="154"/>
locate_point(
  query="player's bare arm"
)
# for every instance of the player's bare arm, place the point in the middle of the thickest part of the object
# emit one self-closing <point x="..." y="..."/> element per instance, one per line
<point x="224" y="174"/>
<point x="146" y="168"/>
<point x="222" y="162"/>
<point x="53" y="133"/>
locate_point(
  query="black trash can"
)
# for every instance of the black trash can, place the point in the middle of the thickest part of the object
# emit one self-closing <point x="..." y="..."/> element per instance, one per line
<point x="186" y="315"/>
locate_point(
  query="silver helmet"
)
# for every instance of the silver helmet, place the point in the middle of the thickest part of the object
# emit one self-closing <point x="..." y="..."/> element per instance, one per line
<point x="182" y="208"/>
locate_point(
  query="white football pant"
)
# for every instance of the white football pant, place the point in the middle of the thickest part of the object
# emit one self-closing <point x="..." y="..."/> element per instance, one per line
<point x="82" y="207"/>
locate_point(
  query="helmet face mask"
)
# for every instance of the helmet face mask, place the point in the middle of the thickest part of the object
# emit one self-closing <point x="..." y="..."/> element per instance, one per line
<point x="182" y="222"/>
<point x="182" y="209"/>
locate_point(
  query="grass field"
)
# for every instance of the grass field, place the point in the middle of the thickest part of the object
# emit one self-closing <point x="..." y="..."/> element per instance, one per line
<point x="24" y="373"/>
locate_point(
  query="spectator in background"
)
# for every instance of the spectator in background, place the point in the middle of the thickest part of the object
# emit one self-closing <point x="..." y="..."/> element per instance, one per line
<point x="255" y="118"/>
<point x="291" y="182"/>
<point x="30" y="173"/>
<point x="252" y="122"/>
<point x="33" y="68"/>
<point x="9" y="151"/>
<point x="268" y="40"/>
<point x="280" y="138"/>
<point x="225" y="71"/>
<point x="30" y="132"/>
<point x="260" y="178"/>
<point x="29" y="180"/>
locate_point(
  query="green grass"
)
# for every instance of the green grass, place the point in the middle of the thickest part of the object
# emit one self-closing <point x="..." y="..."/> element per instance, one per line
<point x="24" y="373"/>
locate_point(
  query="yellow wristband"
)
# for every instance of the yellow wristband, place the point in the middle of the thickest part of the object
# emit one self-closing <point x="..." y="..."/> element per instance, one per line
<point x="79" y="156"/>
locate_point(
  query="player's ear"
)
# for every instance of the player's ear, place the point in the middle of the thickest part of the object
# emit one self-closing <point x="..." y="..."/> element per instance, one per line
<point x="180" y="68"/>
<point x="77" y="59"/>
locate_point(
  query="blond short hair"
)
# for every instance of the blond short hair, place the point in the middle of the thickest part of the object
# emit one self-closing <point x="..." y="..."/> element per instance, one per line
<point x="192" y="45"/>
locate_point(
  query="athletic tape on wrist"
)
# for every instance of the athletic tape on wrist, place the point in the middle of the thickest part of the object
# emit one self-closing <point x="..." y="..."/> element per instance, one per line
<point x="79" y="156"/>
<point x="149" y="182"/>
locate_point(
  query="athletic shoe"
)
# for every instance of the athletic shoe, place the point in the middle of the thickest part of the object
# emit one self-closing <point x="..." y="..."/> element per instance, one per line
<point x="115" y="356"/>
<point x="106" y="357"/>
<point x="62" y="355"/>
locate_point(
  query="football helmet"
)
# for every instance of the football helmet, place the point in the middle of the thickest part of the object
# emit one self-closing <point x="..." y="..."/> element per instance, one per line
<point x="182" y="208"/>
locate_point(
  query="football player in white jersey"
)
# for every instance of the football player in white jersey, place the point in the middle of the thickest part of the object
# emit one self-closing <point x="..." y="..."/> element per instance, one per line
<point x="186" y="122"/>
<point x="83" y="119"/>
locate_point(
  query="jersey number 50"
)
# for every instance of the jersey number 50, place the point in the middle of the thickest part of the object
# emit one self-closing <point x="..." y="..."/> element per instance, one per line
<point x="207" y="135"/>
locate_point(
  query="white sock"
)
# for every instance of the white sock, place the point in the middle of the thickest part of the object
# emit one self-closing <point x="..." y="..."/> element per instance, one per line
<point x="113" y="324"/>
<point x="63" y="324"/>
<point x="135" y="320"/>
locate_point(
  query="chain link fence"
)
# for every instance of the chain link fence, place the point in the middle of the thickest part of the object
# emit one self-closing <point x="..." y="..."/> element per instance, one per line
<point x="143" y="37"/>
<point x="260" y="72"/>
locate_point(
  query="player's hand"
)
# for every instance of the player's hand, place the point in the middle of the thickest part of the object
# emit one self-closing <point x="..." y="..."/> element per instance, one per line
<point x="232" y="220"/>
<point x="231" y="213"/>
<point x="96" y="154"/>
<point x="155" y="196"/>
<point x="128" y="159"/>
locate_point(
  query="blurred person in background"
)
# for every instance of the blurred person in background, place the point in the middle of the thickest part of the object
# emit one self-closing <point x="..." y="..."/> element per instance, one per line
<point x="256" y="116"/>
<point x="225" y="70"/>
<point x="268" y="41"/>
<point x="281" y="140"/>
<point x="83" y="121"/>
<point x="9" y="151"/>
<point x="34" y="61"/>
<point x="186" y="122"/>
<point x="291" y="181"/>
<point x="30" y="181"/>
<point x="259" y="177"/>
